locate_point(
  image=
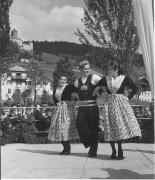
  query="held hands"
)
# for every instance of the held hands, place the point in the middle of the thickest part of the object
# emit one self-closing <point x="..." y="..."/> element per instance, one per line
<point x="95" y="92"/>
<point x="99" y="91"/>
<point x="75" y="98"/>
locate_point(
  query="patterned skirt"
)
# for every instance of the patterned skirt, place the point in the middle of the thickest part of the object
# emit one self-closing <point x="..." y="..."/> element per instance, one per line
<point x="118" y="118"/>
<point x="63" y="123"/>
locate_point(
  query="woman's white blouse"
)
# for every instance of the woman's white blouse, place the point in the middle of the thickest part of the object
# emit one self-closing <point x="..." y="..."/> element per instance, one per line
<point x="59" y="91"/>
<point x="114" y="84"/>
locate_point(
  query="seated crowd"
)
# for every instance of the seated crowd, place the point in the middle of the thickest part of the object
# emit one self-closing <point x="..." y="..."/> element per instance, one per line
<point x="30" y="119"/>
<point x="36" y="119"/>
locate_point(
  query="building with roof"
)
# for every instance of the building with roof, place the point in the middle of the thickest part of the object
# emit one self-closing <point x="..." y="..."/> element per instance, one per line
<point x="17" y="79"/>
<point x="23" y="45"/>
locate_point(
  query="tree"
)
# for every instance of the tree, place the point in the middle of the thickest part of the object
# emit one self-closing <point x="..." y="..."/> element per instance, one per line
<point x="64" y="68"/>
<point x="26" y="94"/>
<point x="24" y="54"/>
<point x="36" y="75"/>
<point x="110" y="24"/>
<point x="8" y="49"/>
<point x="17" y="97"/>
<point x="98" y="56"/>
<point x="4" y="26"/>
<point x="45" y="98"/>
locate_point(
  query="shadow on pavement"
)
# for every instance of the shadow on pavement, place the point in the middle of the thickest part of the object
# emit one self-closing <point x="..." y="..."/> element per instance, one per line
<point x="99" y="156"/>
<point x="144" y="151"/>
<point x="40" y="151"/>
<point x="124" y="174"/>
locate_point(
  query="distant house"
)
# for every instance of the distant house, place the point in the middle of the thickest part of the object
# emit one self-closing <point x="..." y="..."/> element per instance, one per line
<point x="24" y="45"/>
<point x="24" y="60"/>
<point x="17" y="78"/>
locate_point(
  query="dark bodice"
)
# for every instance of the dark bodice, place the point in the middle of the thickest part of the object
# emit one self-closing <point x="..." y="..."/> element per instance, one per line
<point x="85" y="90"/>
<point x="66" y="95"/>
<point x="127" y="82"/>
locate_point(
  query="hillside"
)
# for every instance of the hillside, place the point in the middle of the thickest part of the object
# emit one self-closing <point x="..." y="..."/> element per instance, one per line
<point x="59" y="47"/>
<point x="50" y="53"/>
<point x="49" y="62"/>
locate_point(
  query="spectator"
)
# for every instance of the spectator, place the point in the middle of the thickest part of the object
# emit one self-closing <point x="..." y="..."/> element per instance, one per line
<point x="30" y="119"/>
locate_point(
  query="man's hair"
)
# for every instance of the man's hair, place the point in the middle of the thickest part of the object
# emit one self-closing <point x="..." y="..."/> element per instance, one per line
<point x="83" y="63"/>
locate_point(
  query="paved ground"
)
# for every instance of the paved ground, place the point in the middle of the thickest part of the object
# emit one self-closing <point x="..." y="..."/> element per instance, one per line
<point x="42" y="161"/>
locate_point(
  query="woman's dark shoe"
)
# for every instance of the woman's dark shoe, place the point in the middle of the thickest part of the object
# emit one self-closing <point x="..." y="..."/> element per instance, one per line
<point x="67" y="152"/>
<point x="120" y="155"/>
<point x="92" y="155"/>
<point x="113" y="155"/>
<point x="63" y="152"/>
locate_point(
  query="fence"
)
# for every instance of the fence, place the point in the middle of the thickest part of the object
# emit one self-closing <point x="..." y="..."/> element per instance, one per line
<point x="141" y="111"/>
<point x="145" y="96"/>
<point x="144" y="114"/>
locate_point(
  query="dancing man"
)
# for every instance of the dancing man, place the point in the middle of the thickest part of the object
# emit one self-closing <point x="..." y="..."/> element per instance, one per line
<point x="88" y="112"/>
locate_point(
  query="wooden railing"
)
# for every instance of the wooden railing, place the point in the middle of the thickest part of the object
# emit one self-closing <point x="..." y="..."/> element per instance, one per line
<point x="140" y="110"/>
<point x="144" y="114"/>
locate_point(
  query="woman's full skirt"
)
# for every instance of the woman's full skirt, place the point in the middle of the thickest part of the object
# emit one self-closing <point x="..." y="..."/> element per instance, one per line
<point x="63" y="123"/>
<point x="118" y="118"/>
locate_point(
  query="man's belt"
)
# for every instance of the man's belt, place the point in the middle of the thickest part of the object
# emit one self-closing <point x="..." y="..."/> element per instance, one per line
<point x="87" y="103"/>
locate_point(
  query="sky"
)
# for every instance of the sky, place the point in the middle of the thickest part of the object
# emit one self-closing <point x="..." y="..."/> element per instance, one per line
<point x="51" y="20"/>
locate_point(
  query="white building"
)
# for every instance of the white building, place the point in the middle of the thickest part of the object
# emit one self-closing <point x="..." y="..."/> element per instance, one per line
<point x="17" y="78"/>
<point x="24" y="45"/>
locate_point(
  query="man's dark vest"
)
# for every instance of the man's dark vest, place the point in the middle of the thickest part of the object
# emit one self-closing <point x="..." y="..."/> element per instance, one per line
<point x="85" y="89"/>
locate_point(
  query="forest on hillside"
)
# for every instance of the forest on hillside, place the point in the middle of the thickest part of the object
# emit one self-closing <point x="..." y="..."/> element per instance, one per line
<point x="96" y="55"/>
<point x="60" y="47"/>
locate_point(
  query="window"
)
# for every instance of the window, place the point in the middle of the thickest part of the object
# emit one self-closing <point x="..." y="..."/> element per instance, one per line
<point x="18" y="74"/>
<point x="19" y="82"/>
<point x="45" y="83"/>
<point x="9" y="82"/>
<point x="29" y="83"/>
<point x="9" y="91"/>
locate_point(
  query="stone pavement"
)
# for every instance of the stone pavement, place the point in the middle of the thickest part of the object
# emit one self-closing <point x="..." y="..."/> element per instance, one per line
<point x="42" y="161"/>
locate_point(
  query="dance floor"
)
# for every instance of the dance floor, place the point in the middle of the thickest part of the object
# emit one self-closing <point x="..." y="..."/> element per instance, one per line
<point x="42" y="161"/>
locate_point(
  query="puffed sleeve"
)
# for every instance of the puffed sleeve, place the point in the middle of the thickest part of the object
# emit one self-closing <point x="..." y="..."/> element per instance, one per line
<point x="102" y="82"/>
<point x="95" y="79"/>
<point x="129" y="83"/>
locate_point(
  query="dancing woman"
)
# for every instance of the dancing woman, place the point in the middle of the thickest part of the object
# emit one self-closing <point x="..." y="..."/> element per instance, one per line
<point x="63" y="121"/>
<point x="119" y="120"/>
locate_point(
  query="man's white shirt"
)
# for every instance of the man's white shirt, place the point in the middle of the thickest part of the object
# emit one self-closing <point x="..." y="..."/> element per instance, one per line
<point x="95" y="79"/>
